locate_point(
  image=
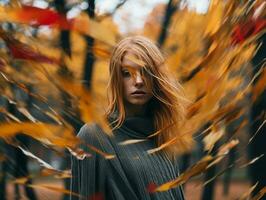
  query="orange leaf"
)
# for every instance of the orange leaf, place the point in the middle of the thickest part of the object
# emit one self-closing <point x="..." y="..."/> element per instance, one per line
<point x="198" y="168"/>
<point x="37" y="16"/>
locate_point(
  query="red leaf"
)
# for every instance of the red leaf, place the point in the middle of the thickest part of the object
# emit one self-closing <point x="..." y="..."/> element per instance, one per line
<point x="20" y="50"/>
<point x="96" y="196"/>
<point x="38" y="16"/>
<point x="151" y="187"/>
<point x="247" y="29"/>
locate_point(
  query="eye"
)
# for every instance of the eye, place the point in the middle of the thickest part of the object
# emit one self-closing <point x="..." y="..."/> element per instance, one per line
<point x="126" y="73"/>
<point x="146" y="72"/>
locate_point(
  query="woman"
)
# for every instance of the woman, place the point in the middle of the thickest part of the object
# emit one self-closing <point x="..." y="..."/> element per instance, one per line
<point x="145" y="111"/>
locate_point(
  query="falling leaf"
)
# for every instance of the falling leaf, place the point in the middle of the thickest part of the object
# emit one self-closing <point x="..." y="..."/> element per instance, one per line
<point x="247" y="29"/>
<point x="21" y="181"/>
<point x="218" y="174"/>
<point x="96" y="196"/>
<point x="223" y="151"/>
<point x="49" y="134"/>
<point x="151" y="188"/>
<point x="210" y="139"/>
<point x="42" y="163"/>
<point x="79" y="153"/>
<point x="106" y="155"/>
<point x="215" y="16"/>
<point x="84" y="25"/>
<point x="260" y="194"/>
<point x="251" y="162"/>
<point x="23" y="51"/>
<point x="36" y="16"/>
<point x="195" y="170"/>
<point x="26" y="113"/>
<point x="247" y="194"/>
<point x="127" y="142"/>
<point x="53" y="188"/>
<point x="257" y="131"/>
<point x="56" y="173"/>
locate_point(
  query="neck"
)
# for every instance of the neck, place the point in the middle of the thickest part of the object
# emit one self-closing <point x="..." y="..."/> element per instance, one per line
<point x="135" y="110"/>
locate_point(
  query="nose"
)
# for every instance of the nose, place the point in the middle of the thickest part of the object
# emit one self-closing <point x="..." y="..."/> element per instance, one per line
<point x="138" y="79"/>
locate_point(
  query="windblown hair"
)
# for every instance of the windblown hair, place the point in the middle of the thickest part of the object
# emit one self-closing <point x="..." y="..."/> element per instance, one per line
<point x="168" y="105"/>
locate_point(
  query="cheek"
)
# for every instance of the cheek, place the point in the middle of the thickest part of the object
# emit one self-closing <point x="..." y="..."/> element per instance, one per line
<point x="126" y="87"/>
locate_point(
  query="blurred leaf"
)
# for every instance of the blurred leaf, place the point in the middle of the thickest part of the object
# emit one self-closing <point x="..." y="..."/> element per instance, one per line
<point x="218" y="174"/>
<point x="223" y="151"/>
<point x="210" y="139"/>
<point x="257" y="131"/>
<point x="40" y="161"/>
<point x="105" y="155"/>
<point x="79" y="153"/>
<point x="127" y="142"/>
<point x="251" y="162"/>
<point x="21" y="181"/>
<point x="35" y="16"/>
<point x="90" y="110"/>
<point x="23" y="51"/>
<point x="214" y="17"/>
<point x="98" y="30"/>
<point x="53" y="188"/>
<point x="26" y="113"/>
<point x="248" y="28"/>
<point x="49" y="134"/>
<point x="260" y="194"/>
<point x="56" y="173"/>
<point x="248" y="193"/>
<point x="195" y="170"/>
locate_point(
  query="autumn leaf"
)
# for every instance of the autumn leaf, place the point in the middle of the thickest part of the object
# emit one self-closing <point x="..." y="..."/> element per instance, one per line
<point x="247" y="194"/>
<point x="56" y="173"/>
<point x="54" y="188"/>
<point x="89" y="104"/>
<point x="223" y="151"/>
<point x="47" y="133"/>
<point x="38" y="16"/>
<point x="198" y="168"/>
<point x="247" y="29"/>
<point x="21" y="181"/>
<point x="210" y="139"/>
<point x="260" y="194"/>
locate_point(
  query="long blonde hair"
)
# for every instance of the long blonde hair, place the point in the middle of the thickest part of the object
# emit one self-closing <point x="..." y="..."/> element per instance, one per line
<point x="169" y="106"/>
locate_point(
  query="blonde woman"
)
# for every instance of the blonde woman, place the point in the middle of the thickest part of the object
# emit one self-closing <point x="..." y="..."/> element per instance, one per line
<point x="145" y="105"/>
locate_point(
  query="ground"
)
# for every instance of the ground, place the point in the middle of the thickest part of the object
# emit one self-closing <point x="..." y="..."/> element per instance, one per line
<point x="192" y="191"/>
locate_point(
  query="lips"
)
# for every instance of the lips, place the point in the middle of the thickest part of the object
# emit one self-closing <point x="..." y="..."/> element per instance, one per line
<point x="139" y="92"/>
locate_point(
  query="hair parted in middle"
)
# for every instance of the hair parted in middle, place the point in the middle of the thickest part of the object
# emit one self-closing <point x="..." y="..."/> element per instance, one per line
<point x="168" y="104"/>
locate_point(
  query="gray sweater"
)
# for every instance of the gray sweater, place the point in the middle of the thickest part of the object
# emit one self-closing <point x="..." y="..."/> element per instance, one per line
<point x="131" y="174"/>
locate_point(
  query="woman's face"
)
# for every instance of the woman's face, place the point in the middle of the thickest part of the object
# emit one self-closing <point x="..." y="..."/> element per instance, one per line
<point x="135" y="90"/>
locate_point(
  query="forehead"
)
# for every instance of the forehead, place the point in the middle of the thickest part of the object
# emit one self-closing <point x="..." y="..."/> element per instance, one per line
<point x="131" y="60"/>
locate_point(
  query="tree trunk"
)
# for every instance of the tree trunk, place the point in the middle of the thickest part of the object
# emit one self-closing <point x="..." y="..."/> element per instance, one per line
<point x="90" y="58"/>
<point x="170" y="9"/>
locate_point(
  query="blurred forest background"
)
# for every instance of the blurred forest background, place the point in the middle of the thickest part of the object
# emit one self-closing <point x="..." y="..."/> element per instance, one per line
<point x="54" y="71"/>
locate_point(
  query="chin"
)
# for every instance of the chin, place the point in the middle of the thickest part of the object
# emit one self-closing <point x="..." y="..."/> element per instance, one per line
<point x="138" y="102"/>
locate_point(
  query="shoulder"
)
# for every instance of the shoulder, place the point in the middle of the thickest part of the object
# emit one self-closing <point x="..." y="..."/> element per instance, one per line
<point x="86" y="130"/>
<point x="94" y="140"/>
<point x="92" y="133"/>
